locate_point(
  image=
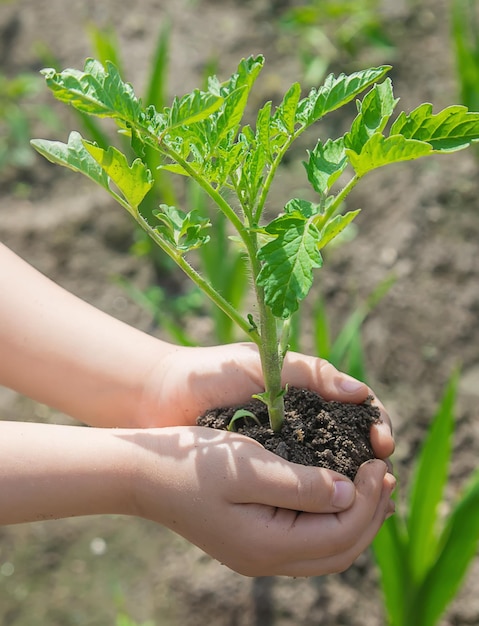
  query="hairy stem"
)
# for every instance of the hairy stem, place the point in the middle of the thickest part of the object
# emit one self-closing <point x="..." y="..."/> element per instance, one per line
<point x="270" y="353"/>
<point x="203" y="284"/>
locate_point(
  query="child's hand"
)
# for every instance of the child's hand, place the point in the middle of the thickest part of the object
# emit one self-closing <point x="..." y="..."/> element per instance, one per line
<point x="253" y="511"/>
<point x="185" y="382"/>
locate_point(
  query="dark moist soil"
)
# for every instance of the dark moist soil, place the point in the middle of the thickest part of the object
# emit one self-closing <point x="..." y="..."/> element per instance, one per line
<point x="316" y="432"/>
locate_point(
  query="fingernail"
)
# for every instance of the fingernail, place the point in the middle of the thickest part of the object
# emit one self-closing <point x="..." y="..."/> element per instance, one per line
<point x="350" y="385"/>
<point x="343" y="495"/>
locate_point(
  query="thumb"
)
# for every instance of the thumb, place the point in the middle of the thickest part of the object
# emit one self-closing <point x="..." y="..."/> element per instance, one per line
<point x="269" y="480"/>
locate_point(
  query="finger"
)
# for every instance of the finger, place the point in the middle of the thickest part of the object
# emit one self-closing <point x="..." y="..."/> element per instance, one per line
<point x="319" y="375"/>
<point x="340" y="562"/>
<point x="270" y="480"/>
<point x="382" y="440"/>
<point x="308" y="544"/>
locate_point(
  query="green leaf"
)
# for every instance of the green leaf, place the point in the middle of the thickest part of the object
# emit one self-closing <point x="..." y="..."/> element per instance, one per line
<point x="454" y="128"/>
<point x="284" y="117"/>
<point x="241" y="414"/>
<point x="245" y="76"/>
<point x="380" y="150"/>
<point x="301" y="208"/>
<point x="133" y="181"/>
<point x="351" y="329"/>
<point x="326" y="164"/>
<point x="460" y="540"/>
<point x="288" y="261"/>
<point x="375" y="110"/>
<point x="390" y="550"/>
<point x="72" y="155"/>
<point x="252" y="174"/>
<point x="263" y="130"/>
<point x="185" y="231"/>
<point x="96" y="91"/>
<point x="337" y="92"/>
<point x="191" y="109"/>
<point x="428" y="485"/>
<point x="235" y="92"/>
<point x="335" y="226"/>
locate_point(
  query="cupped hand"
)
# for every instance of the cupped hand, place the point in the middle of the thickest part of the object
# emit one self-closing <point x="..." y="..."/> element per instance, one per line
<point x="187" y="381"/>
<point x="253" y="511"/>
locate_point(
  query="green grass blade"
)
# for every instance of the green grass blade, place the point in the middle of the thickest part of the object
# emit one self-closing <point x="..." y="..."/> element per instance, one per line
<point x="460" y="540"/>
<point x="322" y="333"/>
<point x="389" y="548"/>
<point x="351" y="331"/>
<point x="156" y="91"/>
<point x="348" y="332"/>
<point x="355" y="364"/>
<point x="105" y="45"/>
<point x="428" y="484"/>
<point x="465" y="38"/>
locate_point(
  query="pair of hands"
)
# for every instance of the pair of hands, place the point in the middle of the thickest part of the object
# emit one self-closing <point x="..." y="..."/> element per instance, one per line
<point x="248" y="508"/>
<point x="243" y="505"/>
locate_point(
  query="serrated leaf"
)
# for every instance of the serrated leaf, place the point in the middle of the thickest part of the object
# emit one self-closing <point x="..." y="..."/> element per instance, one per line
<point x="285" y="115"/>
<point x="246" y="74"/>
<point x="251" y="177"/>
<point x="335" y="226"/>
<point x="235" y="92"/>
<point x="326" y="164"/>
<point x="72" y="155"/>
<point x="191" y="109"/>
<point x="263" y="129"/>
<point x="232" y="113"/>
<point x="379" y="151"/>
<point x="186" y="231"/>
<point x="97" y="91"/>
<point x="297" y="207"/>
<point x="133" y="181"/>
<point x="288" y="262"/>
<point x="337" y="92"/>
<point x="453" y="128"/>
<point x="375" y="110"/>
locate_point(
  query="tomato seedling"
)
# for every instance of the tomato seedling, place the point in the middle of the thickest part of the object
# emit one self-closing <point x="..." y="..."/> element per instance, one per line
<point x="202" y="136"/>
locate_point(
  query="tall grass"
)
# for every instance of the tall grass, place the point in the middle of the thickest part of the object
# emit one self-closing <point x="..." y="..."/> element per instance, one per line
<point x="465" y="42"/>
<point x="422" y="555"/>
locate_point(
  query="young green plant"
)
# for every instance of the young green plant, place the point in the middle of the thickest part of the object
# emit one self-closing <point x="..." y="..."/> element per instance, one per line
<point x="423" y="555"/>
<point x="202" y="135"/>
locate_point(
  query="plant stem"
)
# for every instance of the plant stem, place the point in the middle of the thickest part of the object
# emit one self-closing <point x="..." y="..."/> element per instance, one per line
<point x="270" y="352"/>
<point x="203" y="284"/>
<point x="272" y="363"/>
<point x="345" y="191"/>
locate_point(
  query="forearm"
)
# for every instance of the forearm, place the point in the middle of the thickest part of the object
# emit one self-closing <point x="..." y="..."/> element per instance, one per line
<point x="63" y="352"/>
<point x="52" y="471"/>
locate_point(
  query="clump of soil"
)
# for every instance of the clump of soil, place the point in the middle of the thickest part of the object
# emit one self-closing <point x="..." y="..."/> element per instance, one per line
<point x="316" y="432"/>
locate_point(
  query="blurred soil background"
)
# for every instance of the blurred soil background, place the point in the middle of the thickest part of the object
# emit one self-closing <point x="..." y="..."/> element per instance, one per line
<point x="420" y="224"/>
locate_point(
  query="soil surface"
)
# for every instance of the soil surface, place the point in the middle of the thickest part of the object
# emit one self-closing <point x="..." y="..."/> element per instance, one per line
<point x="419" y="226"/>
<point x="315" y="432"/>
